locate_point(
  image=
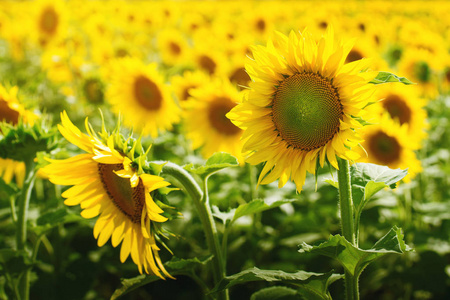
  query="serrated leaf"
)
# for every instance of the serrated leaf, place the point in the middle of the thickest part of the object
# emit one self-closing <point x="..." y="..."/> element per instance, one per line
<point x="354" y="259"/>
<point x="176" y="266"/>
<point x="307" y="283"/>
<point x="257" y="206"/>
<point x="276" y="293"/>
<point x="55" y="218"/>
<point x="385" y="77"/>
<point x="216" y="162"/>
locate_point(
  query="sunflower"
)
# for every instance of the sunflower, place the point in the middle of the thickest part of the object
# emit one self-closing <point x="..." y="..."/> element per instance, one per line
<point x="108" y="183"/>
<point x="183" y="85"/>
<point x="388" y="143"/>
<point x="138" y="92"/>
<point x="173" y="47"/>
<point x="205" y="119"/>
<point x="404" y="106"/>
<point x="301" y="105"/>
<point x="50" y="21"/>
<point x="12" y="111"/>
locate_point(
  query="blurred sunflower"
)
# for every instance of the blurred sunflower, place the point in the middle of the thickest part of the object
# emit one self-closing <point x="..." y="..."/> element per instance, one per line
<point x="93" y="90"/>
<point x="50" y="21"/>
<point x="138" y="92"/>
<point x="205" y="121"/>
<point x="183" y="85"/>
<point x="108" y="182"/>
<point x="173" y="47"/>
<point x="388" y="143"/>
<point x="12" y="111"/>
<point x="301" y="106"/>
<point x="404" y="106"/>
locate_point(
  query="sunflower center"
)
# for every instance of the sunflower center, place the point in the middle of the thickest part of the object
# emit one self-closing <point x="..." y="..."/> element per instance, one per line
<point x="354" y="55"/>
<point x="121" y="52"/>
<point x="93" y="91"/>
<point x="397" y="108"/>
<point x="217" y="116"/>
<point x="422" y="71"/>
<point x="207" y="64"/>
<point x="175" y="48"/>
<point x="240" y="77"/>
<point x="147" y="93"/>
<point x="49" y="20"/>
<point x="7" y="114"/>
<point x="186" y="94"/>
<point x="306" y="111"/>
<point x="130" y="201"/>
<point x="386" y="149"/>
<point x="261" y="25"/>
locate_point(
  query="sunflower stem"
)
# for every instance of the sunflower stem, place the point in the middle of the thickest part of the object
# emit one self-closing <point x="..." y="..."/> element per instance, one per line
<point x="347" y="222"/>
<point x="22" y="216"/>
<point x="182" y="179"/>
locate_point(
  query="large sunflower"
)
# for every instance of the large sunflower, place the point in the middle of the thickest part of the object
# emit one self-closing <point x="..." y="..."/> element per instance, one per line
<point x="301" y="105"/>
<point x="205" y="118"/>
<point x="107" y="183"/>
<point x="138" y="92"/>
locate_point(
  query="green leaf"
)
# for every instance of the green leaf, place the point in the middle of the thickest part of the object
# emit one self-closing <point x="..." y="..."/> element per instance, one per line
<point x="332" y="182"/>
<point x="55" y="218"/>
<point x="276" y="293"/>
<point x="176" y="266"/>
<point x="314" y="285"/>
<point x="224" y="216"/>
<point x="384" y="77"/>
<point x="363" y="173"/>
<point x="216" y="162"/>
<point x="14" y="262"/>
<point x="354" y="259"/>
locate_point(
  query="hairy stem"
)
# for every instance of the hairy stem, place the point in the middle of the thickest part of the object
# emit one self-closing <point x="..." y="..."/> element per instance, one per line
<point x="182" y="179"/>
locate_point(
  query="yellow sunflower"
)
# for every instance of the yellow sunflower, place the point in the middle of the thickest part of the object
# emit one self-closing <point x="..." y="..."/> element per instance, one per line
<point x="205" y="119"/>
<point x="11" y="111"/>
<point x="388" y="143"/>
<point x="173" y="47"/>
<point x="182" y="85"/>
<point x="138" y="92"/>
<point x="301" y="105"/>
<point x="404" y="106"/>
<point x="50" y="21"/>
<point x="108" y="183"/>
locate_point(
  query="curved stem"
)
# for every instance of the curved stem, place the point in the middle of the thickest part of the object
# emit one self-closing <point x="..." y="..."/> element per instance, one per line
<point x="182" y="179"/>
<point x="22" y="216"/>
<point x="347" y="223"/>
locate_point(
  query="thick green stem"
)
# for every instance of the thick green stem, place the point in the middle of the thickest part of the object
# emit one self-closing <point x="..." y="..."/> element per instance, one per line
<point x="182" y="179"/>
<point x="347" y="222"/>
<point x="22" y="217"/>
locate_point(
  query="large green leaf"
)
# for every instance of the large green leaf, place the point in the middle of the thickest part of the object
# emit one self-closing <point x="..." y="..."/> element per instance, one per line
<point x="384" y="77"/>
<point x="354" y="259"/>
<point x="310" y="285"/>
<point x="368" y="179"/>
<point x="216" y="162"/>
<point x="55" y="218"/>
<point x="176" y="266"/>
<point x="252" y="207"/>
<point x="276" y="293"/>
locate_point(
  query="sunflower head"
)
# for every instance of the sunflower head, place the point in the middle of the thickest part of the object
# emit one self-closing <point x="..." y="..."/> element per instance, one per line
<point x="302" y="106"/>
<point x="114" y="180"/>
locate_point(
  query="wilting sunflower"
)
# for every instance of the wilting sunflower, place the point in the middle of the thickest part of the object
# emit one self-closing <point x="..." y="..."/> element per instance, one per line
<point x="138" y="92"/>
<point x="388" y="143"/>
<point x="108" y="182"/>
<point x="11" y="111"/>
<point x="205" y="119"/>
<point x="302" y="105"/>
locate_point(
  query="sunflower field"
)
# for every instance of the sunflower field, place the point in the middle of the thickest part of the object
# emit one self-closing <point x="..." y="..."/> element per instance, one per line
<point x="224" y="150"/>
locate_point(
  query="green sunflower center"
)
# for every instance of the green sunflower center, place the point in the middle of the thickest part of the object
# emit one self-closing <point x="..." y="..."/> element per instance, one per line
<point x="306" y="111"/>
<point x="397" y="108"/>
<point x="217" y="111"/>
<point x="7" y="114"/>
<point x="422" y="71"/>
<point x="130" y="201"/>
<point x="93" y="90"/>
<point x="147" y="93"/>
<point x="385" y="148"/>
<point x="49" y="20"/>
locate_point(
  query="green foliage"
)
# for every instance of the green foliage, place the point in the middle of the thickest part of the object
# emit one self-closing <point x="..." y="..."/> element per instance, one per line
<point x="215" y="163"/>
<point x="55" y="218"/>
<point x="385" y="77"/>
<point x="354" y="259"/>
<point x="276" y="293"/>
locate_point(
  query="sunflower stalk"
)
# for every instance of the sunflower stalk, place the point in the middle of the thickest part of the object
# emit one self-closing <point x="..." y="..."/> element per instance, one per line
<point x="182" y="179"/>
<point x="347" y="222"/>
<point x="22" y="217"/>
